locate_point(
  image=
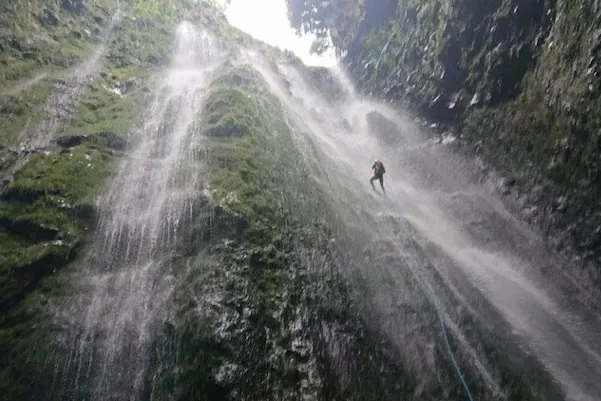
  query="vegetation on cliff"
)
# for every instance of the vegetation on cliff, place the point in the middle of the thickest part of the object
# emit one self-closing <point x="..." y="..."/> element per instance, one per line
<point x="260" y="310"/>
<point x="260" y="301"/>
<point x="129" y="42"/>
<point x="48" y="199"/>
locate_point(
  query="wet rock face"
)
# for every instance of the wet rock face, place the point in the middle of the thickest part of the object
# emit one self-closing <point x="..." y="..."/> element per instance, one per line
<point x="386" y="130"/>
<point x="446" y="56"/>
<point x="264" y="313"/>
<point x="549" y="137"/>
<point x="323" y="80"/>
<point x="46" y="214"/>
<point x="519" y="83"/>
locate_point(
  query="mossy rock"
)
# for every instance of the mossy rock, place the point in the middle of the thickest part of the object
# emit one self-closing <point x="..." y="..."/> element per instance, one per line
<point x="104" y="139"/>
<point x="73" y="174"/>
<point x="22" y="265"/>
<point x="47" y="211"/>
<point x="22" y="111"/>
<point x="251" y="290"/>
<point x="54" y="43"/>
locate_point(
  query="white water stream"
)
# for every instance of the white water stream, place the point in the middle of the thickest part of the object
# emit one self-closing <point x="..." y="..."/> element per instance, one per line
<point x="147" y="206"/>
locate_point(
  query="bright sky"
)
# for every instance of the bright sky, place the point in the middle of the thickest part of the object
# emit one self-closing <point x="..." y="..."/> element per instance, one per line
<point x="266" y="20"/>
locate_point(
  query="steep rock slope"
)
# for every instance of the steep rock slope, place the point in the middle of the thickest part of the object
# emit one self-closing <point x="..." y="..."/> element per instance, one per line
<point x="518" y="81"/>
<point x="74" y="77"/>
<point x="264" y="304"/>
<point x="67" y="101"/>
<point x="261" y="306"/>
<point x="260" y="311"/>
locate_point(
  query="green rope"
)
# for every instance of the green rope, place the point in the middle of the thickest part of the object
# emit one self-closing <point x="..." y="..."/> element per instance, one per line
<point x="455" y="364"/>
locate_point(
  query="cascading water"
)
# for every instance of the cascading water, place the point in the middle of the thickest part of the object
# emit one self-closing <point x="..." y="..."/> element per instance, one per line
<point x="437" y="254"/>
<point x="438" y="232"/>
<point x="147" y="207"/>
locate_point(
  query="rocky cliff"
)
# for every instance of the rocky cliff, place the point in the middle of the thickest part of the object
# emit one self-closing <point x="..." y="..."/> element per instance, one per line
<point x="260" y="310"/>
<point x="517" y="82"/>
<point x="231" y="276"/>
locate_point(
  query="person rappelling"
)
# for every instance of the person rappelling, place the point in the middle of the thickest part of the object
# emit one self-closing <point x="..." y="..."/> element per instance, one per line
<point x="379" y="171"/>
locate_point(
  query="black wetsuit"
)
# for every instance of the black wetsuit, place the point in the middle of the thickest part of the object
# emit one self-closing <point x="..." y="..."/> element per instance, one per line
<point x="379" y="171"/>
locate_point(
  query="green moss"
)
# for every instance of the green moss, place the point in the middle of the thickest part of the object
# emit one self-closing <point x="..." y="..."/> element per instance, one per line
<point x="72" y="174"/>
<point x="16" y="68"/>
<point x="20" y="113"/>
<point x="61" y="38"/>
<point x="46" y="212"/>
<point x="250" y="127"/>
<point x="47" y="209"/>
<point x="25" y="378"/>
<point x="30" y="63"/>
<point x="30" y="334"/>
<point x="251" y="175"/>
<point x="552" y="126"/>
<point x="46" y="218"/>
<point x="231" y="112"/>
<point x="389" y="48"/>
<point x="23" y="265"/>
<point x="101" y="110"/>
<point x="139" y="45"/>
<point x="154" y="11"/>
<point x="18" y="256"/>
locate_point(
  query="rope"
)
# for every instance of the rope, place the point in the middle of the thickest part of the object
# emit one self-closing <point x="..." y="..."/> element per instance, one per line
<point x="455" y="364"/>
<point x="424" y="286"/>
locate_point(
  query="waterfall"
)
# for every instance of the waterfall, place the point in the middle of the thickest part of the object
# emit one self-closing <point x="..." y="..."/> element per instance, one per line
<point x="438" y="242"/>
<point x="451" y="280"/>
<point x="146" y="208"/>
